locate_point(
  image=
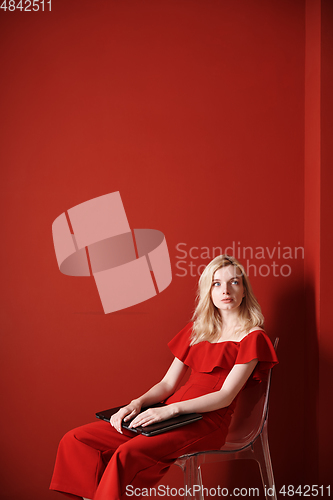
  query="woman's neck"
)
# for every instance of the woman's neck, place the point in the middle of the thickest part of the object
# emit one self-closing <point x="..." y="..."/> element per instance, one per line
<point x="230" y="323"/>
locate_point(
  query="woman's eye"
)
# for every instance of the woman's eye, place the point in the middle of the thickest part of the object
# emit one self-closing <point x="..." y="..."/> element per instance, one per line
<point x="234" y="282"/>
<point x="216" y="284"/>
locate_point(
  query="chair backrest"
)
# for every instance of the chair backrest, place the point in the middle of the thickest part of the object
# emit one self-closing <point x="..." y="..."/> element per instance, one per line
<point x="250" y="413"/>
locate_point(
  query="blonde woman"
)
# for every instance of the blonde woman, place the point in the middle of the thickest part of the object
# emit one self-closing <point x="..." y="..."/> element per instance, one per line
<point x="224" y="347"/>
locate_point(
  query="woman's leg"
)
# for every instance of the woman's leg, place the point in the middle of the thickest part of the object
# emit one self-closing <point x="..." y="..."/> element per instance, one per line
<point x="82" y="456"/>
<point x="97" y="462"/>
<point x="141" y="462"/>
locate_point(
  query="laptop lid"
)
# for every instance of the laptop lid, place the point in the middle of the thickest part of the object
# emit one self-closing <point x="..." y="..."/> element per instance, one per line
<point x="153" y="429"/>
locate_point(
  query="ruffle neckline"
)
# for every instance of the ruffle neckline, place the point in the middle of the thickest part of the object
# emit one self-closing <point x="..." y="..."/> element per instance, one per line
<point x="235" y="341"/>
<point x="202" y="357"/>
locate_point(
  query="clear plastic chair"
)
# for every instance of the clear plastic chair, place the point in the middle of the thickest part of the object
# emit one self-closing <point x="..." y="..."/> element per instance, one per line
<point x="247" y="438"/>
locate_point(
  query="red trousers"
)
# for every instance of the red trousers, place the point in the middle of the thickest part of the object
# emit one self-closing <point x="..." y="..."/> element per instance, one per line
<point x="97" y="462"/>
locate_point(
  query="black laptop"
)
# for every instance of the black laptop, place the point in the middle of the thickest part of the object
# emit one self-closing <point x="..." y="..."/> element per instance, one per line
<point x="153" y="429"/>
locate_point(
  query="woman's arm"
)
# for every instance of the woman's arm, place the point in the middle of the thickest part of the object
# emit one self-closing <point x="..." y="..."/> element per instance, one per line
<point x="157" y="393"/>
<point x="209" y="402"/>
<point x="166" y="386"/>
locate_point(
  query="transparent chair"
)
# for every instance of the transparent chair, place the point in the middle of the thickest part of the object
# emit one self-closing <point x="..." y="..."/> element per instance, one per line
<point x="247" y="439"/>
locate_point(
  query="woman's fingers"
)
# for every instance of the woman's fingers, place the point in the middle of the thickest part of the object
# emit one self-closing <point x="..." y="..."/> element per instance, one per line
<point x="116" y="423"/>
<point x="131" y="415"/>
<point x="117" y="418"/>
<point x="145" y="418"/>
<point x="153" y="415"/>
<point x="136" y="421"/>
<point x="125" y="413"/>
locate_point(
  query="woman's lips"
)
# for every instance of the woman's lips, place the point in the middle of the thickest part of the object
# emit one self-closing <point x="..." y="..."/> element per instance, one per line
<point x="226" y="300"/>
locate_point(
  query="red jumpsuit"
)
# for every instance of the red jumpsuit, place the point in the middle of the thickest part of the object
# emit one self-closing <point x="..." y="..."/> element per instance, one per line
<point x="97" y="462"/>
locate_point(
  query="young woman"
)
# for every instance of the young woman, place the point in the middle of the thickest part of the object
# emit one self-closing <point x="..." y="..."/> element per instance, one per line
<point x="224" y="347"/>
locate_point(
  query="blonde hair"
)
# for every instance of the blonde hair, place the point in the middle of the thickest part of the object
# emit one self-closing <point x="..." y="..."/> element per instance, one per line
<point x="207" y="319"/>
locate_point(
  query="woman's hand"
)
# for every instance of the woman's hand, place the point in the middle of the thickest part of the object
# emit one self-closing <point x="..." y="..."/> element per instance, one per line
<point x="153" y="415"/>
<point x="126" y="413"/>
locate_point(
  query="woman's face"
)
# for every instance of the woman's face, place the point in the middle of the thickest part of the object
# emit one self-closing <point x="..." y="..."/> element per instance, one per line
<point x="227" y="288"/>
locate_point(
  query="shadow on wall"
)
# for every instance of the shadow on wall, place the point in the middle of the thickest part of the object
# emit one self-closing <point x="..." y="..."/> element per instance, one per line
<point x="293" y="421"/>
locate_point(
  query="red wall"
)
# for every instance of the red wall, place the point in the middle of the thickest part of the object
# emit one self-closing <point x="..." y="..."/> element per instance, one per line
<point x="325" y="406"/>
<point x="318" y="237"/>
<point x="194" y="111"/>
<point x="312" y="213"/>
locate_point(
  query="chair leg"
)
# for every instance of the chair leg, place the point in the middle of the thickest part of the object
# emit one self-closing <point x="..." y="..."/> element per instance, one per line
<point x="263" y="457"/>
<point x="193" y="480"/>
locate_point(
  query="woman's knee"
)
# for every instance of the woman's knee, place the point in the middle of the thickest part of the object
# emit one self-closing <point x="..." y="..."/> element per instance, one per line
<point x="131" y="452"/>
<point x="73" y="436"/>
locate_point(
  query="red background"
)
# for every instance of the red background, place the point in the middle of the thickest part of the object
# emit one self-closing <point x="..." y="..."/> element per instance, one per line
<point x="214" y="121"/>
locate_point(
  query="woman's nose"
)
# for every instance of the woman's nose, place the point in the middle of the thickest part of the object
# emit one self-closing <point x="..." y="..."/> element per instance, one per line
<point x="225" y="290"/>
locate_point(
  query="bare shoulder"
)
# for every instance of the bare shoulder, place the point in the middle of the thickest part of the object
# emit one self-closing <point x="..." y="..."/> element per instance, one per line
<point x="257" y="328"/>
